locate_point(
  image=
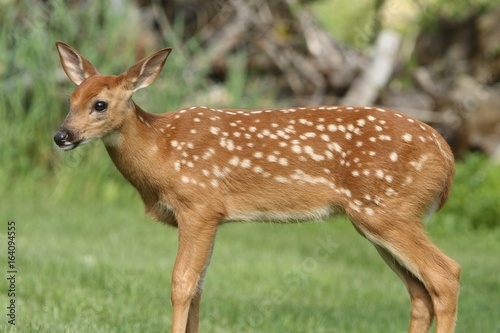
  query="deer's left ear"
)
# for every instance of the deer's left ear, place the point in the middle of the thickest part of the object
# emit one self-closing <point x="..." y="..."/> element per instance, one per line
<point x="145" y="71"/>
<point x="77" y="68"/>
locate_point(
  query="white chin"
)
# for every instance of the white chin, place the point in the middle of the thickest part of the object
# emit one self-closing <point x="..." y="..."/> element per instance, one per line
<point x="68" y="146"/>
<point x="73" y="145"/>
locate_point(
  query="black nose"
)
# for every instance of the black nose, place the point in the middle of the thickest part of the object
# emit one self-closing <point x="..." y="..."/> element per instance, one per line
<point x="62" y="136"/>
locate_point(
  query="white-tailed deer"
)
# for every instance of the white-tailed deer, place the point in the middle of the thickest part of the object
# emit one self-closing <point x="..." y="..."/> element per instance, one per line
<point x="199" y="167"/>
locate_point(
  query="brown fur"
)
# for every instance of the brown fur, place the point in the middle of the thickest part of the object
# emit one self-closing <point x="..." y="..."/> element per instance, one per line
<point x="199" y="167"/>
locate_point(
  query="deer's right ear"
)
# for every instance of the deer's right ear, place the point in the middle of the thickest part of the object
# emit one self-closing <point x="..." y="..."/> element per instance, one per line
<point x="145" y="71"/>
<point x="76" y="67"/>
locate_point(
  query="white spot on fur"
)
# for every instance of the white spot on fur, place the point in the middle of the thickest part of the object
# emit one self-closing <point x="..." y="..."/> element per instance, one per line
<point x="281" y="179"/>
<point x="407" y="137"/>
<point x="390" y="192"/>
<point x="257" y="169"/>
<point x="246" y="163"/>
<point x="418" y="165"/>
<point x="234" y="161"/>
<point x="272" y="158"/>
<point x="336" y="147"/>
<point x="310" y="151"/>
<point x="408" y="180"/>
<point x="283" y="161"/>
<point x="214" y="130"/>
<point x="384" y="138"/>
<point x="354" y="207"/>
<point x="220" y="173"/>
<point x="296" y="149"/>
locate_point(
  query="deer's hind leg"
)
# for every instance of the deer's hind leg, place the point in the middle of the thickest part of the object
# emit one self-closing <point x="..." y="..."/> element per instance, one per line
<point x="424" y="268"/>
<point x="422" y="309"/>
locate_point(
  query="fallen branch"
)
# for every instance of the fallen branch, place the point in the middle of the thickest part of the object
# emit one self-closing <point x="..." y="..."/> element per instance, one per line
<point x="365" y="89"/>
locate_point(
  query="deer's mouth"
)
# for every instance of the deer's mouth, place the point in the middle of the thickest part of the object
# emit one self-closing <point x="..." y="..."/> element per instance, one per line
<point x="69" y="145"/>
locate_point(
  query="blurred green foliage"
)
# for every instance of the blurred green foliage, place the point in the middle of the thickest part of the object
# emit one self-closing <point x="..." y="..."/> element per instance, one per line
<point x="351" y="22"/>
<point x="356" y="22"/>
<point x="35" y="92"/>
<point x="475" y="197"/>
<point x="431" y="10"/>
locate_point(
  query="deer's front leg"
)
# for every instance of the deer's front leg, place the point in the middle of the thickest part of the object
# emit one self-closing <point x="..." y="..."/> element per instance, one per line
<point x="194" y="310"/>
<point x="196" y="239"/>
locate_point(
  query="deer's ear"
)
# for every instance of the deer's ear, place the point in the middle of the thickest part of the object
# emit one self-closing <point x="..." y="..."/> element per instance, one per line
<point x="145" y="71"/>
<point x="76" y="67"/>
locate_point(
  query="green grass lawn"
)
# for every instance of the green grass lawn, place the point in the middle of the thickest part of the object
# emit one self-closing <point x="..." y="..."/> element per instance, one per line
<point x="92" y="266"/>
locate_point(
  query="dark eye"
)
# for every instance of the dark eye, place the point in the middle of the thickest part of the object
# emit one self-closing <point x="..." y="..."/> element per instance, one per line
<point x="100" y="106"/>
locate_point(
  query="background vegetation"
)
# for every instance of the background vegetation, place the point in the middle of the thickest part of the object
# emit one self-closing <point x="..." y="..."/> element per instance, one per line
<point x="89" y="261"/>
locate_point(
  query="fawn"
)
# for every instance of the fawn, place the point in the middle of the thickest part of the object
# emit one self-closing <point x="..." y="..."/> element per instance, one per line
<point x="199" y="167"/>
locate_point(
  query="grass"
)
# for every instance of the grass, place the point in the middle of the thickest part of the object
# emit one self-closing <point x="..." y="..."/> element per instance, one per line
<point x="95" y="265"/>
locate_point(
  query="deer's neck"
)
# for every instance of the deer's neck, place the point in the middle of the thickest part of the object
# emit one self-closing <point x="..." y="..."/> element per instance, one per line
<point x="135" y="151"/>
